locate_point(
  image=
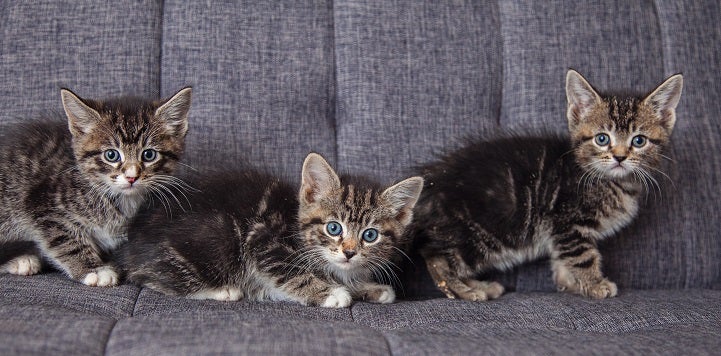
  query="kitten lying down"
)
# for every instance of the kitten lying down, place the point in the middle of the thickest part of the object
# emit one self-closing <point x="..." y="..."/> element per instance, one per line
<point x="252" y="236"/>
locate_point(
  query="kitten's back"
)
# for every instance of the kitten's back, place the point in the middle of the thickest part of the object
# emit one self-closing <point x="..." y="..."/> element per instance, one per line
<point x="488" y="173"/>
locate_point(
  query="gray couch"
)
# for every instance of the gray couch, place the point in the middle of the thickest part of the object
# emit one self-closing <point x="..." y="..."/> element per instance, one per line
<point x="378" y="86"/>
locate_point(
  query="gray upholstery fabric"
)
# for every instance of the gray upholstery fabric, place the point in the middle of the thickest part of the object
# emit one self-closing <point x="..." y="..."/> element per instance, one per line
<point x="378" y="87"/>
<point x="95" y="49"/>
<point x="263" y="80"/>
<point x="237" y="334"/>
<point x="37" y="330"/>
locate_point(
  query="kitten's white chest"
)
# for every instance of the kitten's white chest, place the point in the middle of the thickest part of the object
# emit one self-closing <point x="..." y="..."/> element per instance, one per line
<point x="613" y="221"/>
<point x="129" y="205"/>
<point x="108" y="238"/>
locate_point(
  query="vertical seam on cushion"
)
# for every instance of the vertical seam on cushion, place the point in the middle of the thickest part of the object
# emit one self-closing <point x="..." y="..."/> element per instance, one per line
<point x="135" y="304"/>
<point x="499" y="111"/>
<point x="388" y="344"/>
<point x="110" y="333"/>
<point x="656" y="9"/>
<point x="160" y="49"/>
<point x="664" y="68"/>
<point x="333" y="92"/>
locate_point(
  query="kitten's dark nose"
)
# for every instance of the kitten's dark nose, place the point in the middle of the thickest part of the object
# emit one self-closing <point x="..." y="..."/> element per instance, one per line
<point x="619" y="159"/>
<point x="349" y="253"/>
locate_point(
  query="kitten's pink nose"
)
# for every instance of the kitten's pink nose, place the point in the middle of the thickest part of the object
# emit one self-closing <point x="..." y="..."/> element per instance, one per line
<point x="131" y="180"/>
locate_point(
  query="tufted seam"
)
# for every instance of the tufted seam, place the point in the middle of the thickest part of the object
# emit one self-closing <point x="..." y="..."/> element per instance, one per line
<point x="110" y="333"/>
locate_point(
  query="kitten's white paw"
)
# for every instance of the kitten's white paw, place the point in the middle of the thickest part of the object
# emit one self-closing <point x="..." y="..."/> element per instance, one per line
<point x="338" y="298"/>
<point x="386" y="295"/>
<point x="224" y="294"/>
<point x="25" y="265"/>
<point x="102" y="277"/>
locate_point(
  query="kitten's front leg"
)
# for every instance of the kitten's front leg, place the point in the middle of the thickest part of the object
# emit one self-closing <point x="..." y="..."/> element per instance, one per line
<point x="576" y="265"/>
<point x="448" y="281"/>
<point x="25" y="265"/>
<point x="374" y="293"/>
<point x="22" y="258"/>
<point x="310" y="289"/>
<point x="80" y="260"/>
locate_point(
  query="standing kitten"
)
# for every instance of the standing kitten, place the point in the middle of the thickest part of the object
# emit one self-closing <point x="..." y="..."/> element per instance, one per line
<point x="73" y="192"/>
<point x="251" y="236"/>
<point x="498" y="204"/>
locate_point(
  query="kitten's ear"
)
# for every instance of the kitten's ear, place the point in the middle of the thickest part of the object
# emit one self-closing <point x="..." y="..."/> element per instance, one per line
<point x="81" y="117"/>
<point x="580" y="95"/>
<point x="664" y="100"/>
<point x="318" y="179"/>
<point x="174" y="112"/>
<point x="403" y="197"/>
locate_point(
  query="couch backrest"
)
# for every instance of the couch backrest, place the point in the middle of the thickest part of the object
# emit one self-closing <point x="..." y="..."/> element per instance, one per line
<point x="380" y="86"/>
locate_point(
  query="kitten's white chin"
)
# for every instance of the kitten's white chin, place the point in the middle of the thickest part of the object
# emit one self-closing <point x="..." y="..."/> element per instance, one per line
<point x="618" y="171"/>
<point x="127" y="189"/>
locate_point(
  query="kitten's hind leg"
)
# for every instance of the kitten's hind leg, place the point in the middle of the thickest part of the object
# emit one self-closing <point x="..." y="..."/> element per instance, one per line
<point x="25" y="265"/>
<point x="452" y="286"/>
<point x="576" y="265"/>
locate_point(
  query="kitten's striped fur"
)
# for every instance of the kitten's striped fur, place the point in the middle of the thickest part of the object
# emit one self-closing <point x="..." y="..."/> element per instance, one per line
<point x="60" y="192"/>
<point x="251" y="236"/>
<point x="501" y="203"/>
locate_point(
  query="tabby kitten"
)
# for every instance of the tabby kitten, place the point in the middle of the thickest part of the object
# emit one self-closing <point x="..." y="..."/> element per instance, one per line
<point x="72" y="192"/>
<point x="252" y="236"/>
<point x="501" y="203"/>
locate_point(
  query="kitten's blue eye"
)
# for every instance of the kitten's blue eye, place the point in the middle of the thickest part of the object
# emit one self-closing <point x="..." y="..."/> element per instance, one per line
<point x="370" y="235"/>
<point x="150" y="155"/>
<point x="111" y="155"/>
<point x="333" y="228"/>
<point x="602" y="139"/>
<point x="639" y="141"/>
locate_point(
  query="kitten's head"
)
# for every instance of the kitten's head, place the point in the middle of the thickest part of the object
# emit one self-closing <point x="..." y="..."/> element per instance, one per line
<point x="620" y="136"/>
<point x="357" y="228"/>
<point x="125" y="145"/>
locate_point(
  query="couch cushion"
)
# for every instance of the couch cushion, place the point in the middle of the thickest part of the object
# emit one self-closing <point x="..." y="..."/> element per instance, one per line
<point x="42" y="330"/>
<point x="640" y="322"/>
<point x="237" y="333"/>
<point x="413" y="78"/>
<point x="95" y="49"/>
<point x="263" y="80"/>
<point x="53" y="290"/>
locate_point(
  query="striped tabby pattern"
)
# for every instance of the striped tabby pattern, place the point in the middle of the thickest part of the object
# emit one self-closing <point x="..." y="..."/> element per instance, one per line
<point x="502" y="203"/>
<point x="263" y="240"/>
<point x="70" y="188"/>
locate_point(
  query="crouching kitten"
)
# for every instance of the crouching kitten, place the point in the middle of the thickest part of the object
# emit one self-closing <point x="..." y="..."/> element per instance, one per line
<point x="252" y="236"/>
